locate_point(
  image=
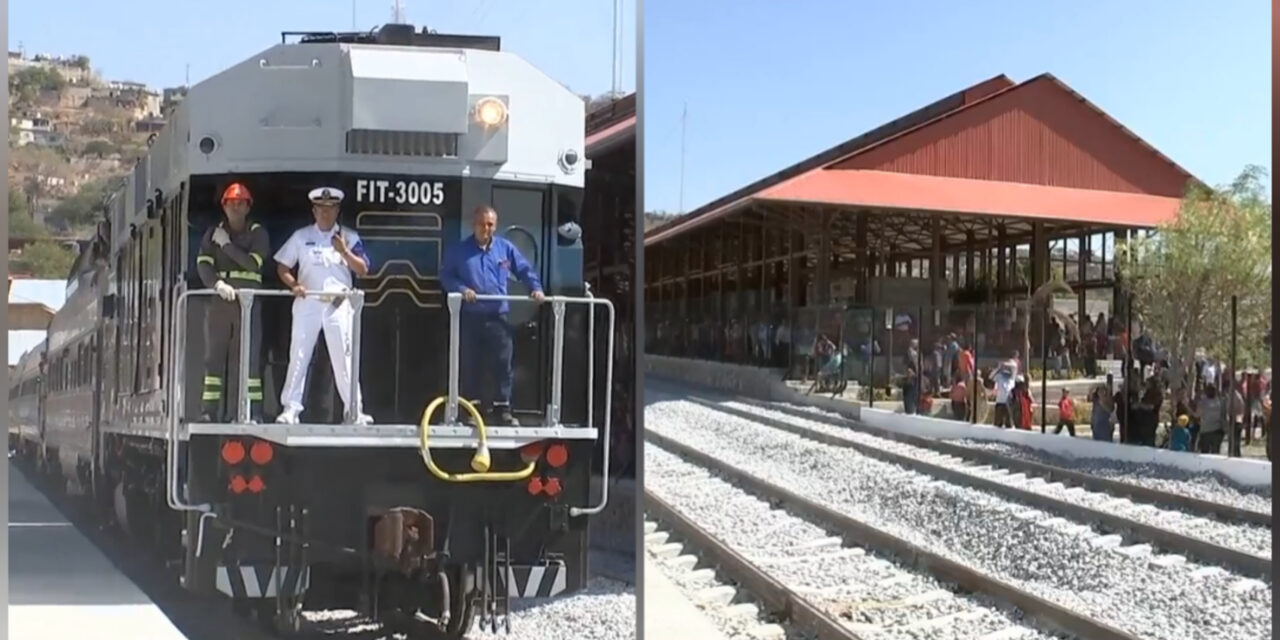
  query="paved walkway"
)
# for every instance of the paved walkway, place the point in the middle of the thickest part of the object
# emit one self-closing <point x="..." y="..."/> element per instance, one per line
<point x="668" y="613"/>
<point x="61" y="586"/>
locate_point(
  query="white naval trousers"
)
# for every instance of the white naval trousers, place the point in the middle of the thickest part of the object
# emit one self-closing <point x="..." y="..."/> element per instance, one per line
<point x="310" y="317"/>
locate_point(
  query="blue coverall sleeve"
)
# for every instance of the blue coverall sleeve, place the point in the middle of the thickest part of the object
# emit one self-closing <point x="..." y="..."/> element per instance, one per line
<point x="523" y="270"/>
<point x="449" y="270"/>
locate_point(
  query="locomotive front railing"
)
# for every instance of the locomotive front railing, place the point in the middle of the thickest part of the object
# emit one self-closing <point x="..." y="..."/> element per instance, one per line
<point x="454" y="302"/>
<point x="177" y="372"/>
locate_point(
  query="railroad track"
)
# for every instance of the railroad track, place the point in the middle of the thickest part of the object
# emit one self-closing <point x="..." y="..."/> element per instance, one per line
<point x="819" y="571"/>
<point x="983" y="537"/>
<point x="1243" y="547"/>
<point x="1227" y="513"/>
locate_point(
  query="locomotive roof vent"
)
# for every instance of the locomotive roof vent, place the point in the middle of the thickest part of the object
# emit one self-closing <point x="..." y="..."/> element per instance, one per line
<point x="400" y="35"/>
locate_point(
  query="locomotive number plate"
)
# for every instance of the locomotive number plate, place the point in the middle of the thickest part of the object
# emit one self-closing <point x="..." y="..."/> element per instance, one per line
<point x="400" y="192"/>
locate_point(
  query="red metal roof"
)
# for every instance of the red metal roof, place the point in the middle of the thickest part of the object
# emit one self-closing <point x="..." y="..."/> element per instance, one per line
<point x="891" y="190"/>
<point x="902" y="130"/>
<point x="607" y="137"/>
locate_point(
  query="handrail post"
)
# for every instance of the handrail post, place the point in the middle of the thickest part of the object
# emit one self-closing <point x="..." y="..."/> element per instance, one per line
<point x="454" y="302"/>
<point x="557" y="361"/>
<point x="245" y="298"/>
<point x="591" y="354"/>
<point x="357" y="307"/>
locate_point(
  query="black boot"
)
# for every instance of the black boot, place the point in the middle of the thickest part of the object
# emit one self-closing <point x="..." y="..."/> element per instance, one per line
<point x="501" y="416"/>
<point x="465" y="418"/>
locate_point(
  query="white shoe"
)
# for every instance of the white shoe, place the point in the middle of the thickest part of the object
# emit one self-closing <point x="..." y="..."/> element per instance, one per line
<point x="364" y="419"/>
<point x="288" y="417"/>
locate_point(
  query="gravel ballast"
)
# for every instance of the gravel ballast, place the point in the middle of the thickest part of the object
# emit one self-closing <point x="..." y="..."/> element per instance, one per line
<point x="850" y="584"/>
<point x="1211" y="487"/>
<point x="603" y="610"/>
<point x="1153" y="597"/>
<point x="1249" y="538"/>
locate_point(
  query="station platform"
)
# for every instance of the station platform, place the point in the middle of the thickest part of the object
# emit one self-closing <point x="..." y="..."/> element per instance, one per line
<point x="668" y="612"/>
<point x="60" y="584"/>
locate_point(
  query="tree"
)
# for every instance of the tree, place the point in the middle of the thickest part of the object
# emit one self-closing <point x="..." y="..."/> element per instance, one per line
<point x="604" y="99"/>
<point x="83" y="207"/>
<point x="100" y="148"/>
<point x="1040" y="302"/>
<point x="21" y="224"/>
<point x="25" y="86"/>
<point x="80" y="62"/>
<point x="1183" y="276"/>
<point x="45" y="259"/>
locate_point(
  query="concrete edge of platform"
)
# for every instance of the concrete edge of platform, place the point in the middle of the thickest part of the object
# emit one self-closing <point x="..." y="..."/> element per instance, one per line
<point x="765" y="384"/>
<point x="669" y="613"/>
<point x="1249" y="472"/>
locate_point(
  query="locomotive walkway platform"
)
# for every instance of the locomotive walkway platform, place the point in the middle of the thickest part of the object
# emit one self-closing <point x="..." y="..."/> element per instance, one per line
<point x="60" y="584"/>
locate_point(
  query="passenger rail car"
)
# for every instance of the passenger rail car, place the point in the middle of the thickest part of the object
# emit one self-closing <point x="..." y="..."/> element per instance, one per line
<point x="416" y="129"/>
<point x="24" y="400"/>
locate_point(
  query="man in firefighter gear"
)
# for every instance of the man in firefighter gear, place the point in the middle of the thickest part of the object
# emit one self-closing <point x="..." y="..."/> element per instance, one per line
<point x="230" y="258"/>
<point x="325" y="254"/>
<point x="481" y="264"/>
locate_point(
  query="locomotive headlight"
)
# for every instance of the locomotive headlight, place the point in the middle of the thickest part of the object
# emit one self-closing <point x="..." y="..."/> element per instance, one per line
<point x="491" y="112"/>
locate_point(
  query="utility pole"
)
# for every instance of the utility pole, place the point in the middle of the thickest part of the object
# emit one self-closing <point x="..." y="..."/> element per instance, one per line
<point x="684" y="121"/>
<point x="353" y="15"/>
<point x="187" y="78"/>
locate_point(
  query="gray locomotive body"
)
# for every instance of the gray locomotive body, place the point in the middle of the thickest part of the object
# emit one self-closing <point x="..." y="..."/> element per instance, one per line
<point x="417" y="129"/>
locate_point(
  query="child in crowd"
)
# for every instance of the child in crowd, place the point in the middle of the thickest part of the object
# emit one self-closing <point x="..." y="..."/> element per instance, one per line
<point x="1066" y="414"/>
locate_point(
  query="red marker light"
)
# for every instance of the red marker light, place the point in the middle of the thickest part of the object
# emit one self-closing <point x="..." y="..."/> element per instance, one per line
<point x="553" y="487"/>
<point x="557" y="455"/>
<point x="261" y="452"/>
<point x="238" y="484"/>
<point x="232" y="452"/>
<point x="531" y="451"/>
<point x="535" y="486"/>
<point x="256" y="485"/>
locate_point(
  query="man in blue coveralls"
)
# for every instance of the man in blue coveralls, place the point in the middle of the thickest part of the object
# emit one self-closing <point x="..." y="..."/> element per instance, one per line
<point x="481" y="264"/>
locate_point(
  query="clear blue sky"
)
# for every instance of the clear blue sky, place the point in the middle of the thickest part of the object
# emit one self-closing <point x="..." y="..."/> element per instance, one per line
<point x="769" y="83"/>
<point x="152" y="41"/>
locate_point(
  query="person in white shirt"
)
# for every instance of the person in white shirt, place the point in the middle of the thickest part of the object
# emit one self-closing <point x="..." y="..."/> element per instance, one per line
<point x="325" y="255"/>
<point x="1005" y="377"/>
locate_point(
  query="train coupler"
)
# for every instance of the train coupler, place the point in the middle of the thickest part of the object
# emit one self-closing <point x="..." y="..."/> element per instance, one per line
<point x="408" y="571"/>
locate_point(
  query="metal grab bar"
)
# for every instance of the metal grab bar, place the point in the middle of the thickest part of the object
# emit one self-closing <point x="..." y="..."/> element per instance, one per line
<point x="454" y="302"/>
<point x="177" y="373"/>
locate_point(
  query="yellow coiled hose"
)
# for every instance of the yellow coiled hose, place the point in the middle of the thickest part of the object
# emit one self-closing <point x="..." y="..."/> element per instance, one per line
<point x="479" y="462"/>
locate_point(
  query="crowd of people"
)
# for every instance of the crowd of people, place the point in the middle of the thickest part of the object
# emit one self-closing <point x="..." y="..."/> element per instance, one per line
<point x="1146" y="410"/>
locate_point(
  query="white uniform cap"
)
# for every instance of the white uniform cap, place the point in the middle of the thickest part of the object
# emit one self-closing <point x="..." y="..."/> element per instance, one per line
<point x="325" y="194"/>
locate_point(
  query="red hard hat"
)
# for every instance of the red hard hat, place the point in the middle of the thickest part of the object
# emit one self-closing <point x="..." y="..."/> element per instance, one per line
<point x="236" y="191"/>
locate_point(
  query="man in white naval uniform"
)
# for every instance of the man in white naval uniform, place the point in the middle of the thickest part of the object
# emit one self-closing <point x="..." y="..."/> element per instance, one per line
<point x="325" y="255"/>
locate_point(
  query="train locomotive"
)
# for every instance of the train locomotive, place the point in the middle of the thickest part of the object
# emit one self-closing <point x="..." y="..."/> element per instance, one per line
<point x="417" y="128"/>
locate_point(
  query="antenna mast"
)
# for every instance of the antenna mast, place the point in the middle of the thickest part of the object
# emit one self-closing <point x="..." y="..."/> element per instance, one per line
<point x="397" y="12"/>
<point x="684" y="121"/>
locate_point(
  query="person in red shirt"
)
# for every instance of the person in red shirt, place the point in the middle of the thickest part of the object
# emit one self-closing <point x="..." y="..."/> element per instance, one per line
<point x="1066" y="414"/>
<point x="1022" y="404"/>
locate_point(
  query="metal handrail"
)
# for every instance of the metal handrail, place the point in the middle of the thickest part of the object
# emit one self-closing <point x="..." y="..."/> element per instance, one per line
<point x="177" y="373"/>
<point x="454" y="302"/>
